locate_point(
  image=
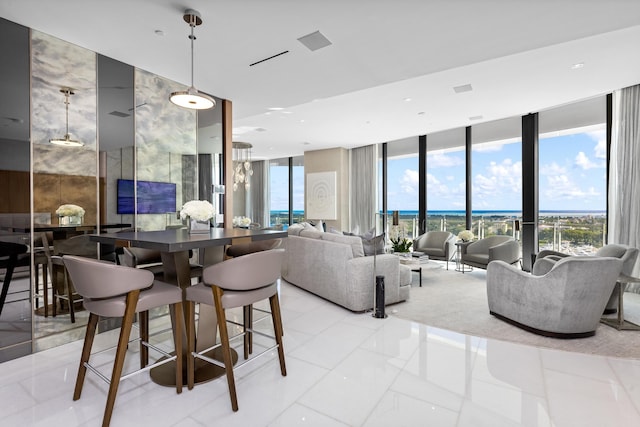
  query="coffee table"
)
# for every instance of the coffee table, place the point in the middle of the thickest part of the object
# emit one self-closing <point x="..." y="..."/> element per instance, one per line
<point x="415" y="263"/>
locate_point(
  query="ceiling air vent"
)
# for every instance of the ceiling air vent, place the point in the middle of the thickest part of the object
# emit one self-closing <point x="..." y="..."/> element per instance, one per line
<point x="119" y="114"/>
<point x="462" y="88"/>
<point x="314" y="41"/>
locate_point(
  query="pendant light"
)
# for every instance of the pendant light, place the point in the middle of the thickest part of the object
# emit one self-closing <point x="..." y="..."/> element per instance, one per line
<point x="192" y="98"/>
<point x="66" y="140"/>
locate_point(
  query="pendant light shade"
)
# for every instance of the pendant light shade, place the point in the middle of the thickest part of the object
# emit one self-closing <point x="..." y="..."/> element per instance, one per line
<point x="192" y="98"/>
<point x="66" y="139"/>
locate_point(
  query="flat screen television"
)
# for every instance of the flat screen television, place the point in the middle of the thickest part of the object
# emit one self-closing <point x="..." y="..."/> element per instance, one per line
<point x="153" y="197"/>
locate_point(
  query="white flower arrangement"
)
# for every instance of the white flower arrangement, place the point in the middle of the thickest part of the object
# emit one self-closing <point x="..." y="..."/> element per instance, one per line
<point x="241" y="221"/>
<point x="70" y="210"/>
<point x="465" y="235"/>
<point x="200" y="210"/>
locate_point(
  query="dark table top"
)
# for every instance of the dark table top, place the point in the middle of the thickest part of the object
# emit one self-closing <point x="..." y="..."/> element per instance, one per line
<point x="57" y="227"/>
<point x="175" y="240"/>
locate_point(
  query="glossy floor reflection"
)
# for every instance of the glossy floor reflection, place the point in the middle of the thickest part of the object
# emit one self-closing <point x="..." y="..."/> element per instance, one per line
<point x="346" y="369"/>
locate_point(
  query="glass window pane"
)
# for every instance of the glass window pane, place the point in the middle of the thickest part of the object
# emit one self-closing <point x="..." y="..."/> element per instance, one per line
<point x="572" y="183"/>
<point x="402" y="187"/>
<point x="446" y="197"/>
<point x="279" y="191"/>
<point x="496" y="165"/>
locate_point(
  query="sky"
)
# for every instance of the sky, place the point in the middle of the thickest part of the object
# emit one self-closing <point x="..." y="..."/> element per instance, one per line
<point x="572" y="176"/>
<point x="571" y="167"/>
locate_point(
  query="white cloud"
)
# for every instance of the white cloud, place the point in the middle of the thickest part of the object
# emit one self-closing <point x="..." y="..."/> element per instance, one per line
<point x="552" y="169"/>
<point x="585" y="163"/>
<point x="441" y="160"/>
<point x="500" y="178"/>
<point x="600" y="150"/>
<point x="409" y="181"/>
<point x="562" y="187"/>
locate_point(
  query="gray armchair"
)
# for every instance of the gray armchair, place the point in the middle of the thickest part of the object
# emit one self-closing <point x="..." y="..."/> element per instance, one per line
<point x="493" y="248"/>
<point x="566" y="302"/>
<point x="438" y="245"/>
<point x="546" y="259"/>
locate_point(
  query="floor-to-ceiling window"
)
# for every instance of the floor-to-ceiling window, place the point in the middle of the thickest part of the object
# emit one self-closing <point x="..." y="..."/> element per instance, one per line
<point x="496" y="178"/>
<point x="284" y="181"/>
<point x="278" y="191"/>
<point x="446" y="194"/>
<point x="572" y="184"/>
<point x="402" y="188"/>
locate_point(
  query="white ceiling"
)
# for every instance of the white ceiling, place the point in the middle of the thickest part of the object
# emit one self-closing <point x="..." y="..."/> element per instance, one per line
<point x="516" y="55"/>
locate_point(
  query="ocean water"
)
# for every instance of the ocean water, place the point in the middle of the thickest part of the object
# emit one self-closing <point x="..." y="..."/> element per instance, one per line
<point x="501" y="213"/>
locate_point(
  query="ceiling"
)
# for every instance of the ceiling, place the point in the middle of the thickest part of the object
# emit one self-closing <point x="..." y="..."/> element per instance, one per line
<point x="389" y="73"/>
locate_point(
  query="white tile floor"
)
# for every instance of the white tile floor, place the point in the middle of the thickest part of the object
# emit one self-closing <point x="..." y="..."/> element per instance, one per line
<point x="346" y="369"/>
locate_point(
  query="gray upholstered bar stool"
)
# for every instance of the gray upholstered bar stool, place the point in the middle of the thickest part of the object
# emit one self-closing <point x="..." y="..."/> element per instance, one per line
<point x="111" y="290"/>
<point x="238" y="282"/>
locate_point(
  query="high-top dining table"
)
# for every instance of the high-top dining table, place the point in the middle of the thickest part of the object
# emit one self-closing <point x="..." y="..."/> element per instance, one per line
<point x="174" y="245"/>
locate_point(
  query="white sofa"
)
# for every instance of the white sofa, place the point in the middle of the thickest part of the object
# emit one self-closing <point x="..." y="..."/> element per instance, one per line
<point x="334" y="267"/>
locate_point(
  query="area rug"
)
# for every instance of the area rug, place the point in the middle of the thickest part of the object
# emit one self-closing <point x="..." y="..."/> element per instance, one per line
<point x="458" y="302"/>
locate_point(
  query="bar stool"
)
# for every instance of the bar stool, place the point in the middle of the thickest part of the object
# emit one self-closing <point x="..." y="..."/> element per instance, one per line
<point x="10" y="254"/>
<point x="111" y="290"/>
<point x="238" y="282"/>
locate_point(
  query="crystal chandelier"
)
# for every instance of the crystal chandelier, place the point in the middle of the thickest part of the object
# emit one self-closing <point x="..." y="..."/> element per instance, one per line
<point x="242" y="170"/>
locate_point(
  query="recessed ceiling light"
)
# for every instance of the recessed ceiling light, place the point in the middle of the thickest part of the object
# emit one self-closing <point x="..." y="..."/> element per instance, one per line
<point x="462" y="88"/>
<point x="287" y="112"/>
<point x="159" y="33"/>
<point x="577" y="66"/>
<point x="275" y="108"/>
<point x="407" y="100"/>
<point x="472" y="118"/>
<point x="421" y="113"/>
<point x="306" y="143"/>
<point x="302" y="121"/>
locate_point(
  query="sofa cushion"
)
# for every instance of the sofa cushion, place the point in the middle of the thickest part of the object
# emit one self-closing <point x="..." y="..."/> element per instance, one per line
<point x="295" y="229"/>
<point x="311" y="233"/>
<point x="354" y="241"/>
<point x="479" y="258"/>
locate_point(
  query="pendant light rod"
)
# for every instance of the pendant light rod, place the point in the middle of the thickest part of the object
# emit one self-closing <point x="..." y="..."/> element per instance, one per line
<point x="192" y="98"/>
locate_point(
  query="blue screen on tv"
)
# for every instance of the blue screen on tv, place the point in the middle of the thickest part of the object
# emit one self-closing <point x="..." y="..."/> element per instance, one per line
<point x="153" y="197"/>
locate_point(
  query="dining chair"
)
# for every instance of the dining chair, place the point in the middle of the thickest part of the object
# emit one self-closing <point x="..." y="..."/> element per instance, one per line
<point x="238" y="282"/>
<point x="111" y="290"/>
<point x="150" y="259"/>
<point x="41" y="258"/>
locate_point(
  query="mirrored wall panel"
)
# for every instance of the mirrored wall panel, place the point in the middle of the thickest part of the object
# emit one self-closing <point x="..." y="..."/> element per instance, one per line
<point x="15" y="296"/>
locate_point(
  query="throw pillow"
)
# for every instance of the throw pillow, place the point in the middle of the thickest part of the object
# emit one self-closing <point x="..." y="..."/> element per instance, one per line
<point x="373" y="245"/>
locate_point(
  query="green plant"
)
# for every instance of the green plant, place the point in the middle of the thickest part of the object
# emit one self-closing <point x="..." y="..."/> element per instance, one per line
<point x="401" y="244"/>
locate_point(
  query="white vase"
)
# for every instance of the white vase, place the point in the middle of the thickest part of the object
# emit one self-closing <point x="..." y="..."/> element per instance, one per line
<point x="198" y="227"/>
<point x="70" y="220"/>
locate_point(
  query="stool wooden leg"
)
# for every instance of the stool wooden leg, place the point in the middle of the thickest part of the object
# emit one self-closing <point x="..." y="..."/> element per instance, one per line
<point x="247" y="324"/>
<point x="177" y="342"/>
<point x="86" y="352"/>
<point x="189" y="316"/>
<point x="143" y="323"/>
<point x="226" y="349"/>
<point x="121" y="351"/>
<point x="276" y="316"/>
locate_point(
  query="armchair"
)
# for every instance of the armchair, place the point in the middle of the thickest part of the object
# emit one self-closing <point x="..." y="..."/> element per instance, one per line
<point x="438" y="245"/>
<point x="566" y="302"/>
<point x="493" y="248"/>
<point x="546" y="259"/>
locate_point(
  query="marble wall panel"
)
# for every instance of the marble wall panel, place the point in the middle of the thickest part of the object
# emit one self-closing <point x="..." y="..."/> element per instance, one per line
<point x="56" y="64"/>
<point x="165" y="133"/>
